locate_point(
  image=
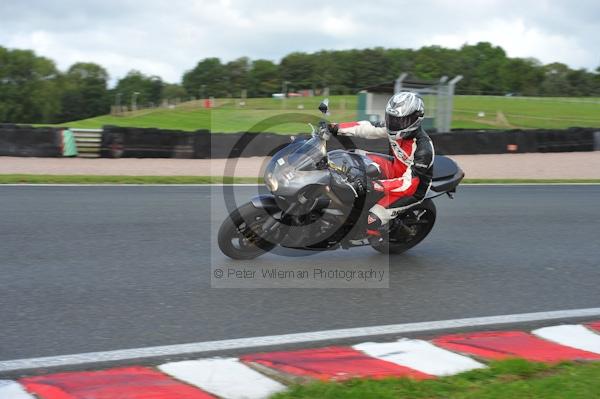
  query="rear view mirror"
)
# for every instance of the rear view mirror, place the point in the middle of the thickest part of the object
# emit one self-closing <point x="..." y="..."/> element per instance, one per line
<point x="324" y="106"/>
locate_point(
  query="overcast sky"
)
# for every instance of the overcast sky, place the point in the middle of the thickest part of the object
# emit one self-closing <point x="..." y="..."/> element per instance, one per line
<point x="166" y="38"/>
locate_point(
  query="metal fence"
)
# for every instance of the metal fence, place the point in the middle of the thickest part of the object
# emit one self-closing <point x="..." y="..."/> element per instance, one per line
<point x="437" y="95"/>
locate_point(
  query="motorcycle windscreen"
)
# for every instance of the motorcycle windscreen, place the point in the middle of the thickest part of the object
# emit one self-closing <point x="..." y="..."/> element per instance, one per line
<point x="304" y="155"/>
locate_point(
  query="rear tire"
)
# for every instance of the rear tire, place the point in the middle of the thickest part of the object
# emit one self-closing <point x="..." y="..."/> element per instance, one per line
<point x="240" y="234"/>
<point x="419" y="221"/>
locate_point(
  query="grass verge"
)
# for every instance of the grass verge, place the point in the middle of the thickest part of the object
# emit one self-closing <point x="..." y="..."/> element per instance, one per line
<point x="514" y="378"/>
<point x="100" y="179"/>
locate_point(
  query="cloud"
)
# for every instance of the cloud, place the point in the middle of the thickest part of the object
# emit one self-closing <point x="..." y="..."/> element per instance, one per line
<point x="166" y="38"/>
<point x="520" y="40"/>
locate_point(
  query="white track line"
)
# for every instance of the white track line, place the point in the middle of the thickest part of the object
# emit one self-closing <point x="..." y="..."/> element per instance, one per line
<point x="226" y="378"/>
<point x="573" y="335"/>
<point x="420" y="355"/>
<point x="300" y="338"/>
<point x="13" y="390"/>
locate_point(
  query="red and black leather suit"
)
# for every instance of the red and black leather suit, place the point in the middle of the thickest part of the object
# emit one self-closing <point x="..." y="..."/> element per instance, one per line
<point x="405" y="178"/>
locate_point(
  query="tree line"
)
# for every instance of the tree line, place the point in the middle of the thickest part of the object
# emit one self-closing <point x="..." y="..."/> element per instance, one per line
<point x="33" y="90"/>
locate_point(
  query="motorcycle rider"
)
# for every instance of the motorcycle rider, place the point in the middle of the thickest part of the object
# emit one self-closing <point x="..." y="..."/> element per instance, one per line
<point x="406" y="177"/>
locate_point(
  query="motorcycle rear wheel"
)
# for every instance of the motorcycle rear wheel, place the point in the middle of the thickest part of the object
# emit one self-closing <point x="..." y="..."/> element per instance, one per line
<point x="240" y="234"/>
<point x="417" y="223"/>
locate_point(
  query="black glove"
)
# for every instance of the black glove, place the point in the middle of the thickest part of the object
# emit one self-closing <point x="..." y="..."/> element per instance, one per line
<point x="333" y="128"/>
<point x="360" y="188"/>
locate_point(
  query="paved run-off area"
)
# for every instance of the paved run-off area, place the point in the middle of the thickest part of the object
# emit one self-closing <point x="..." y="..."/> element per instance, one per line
<point x="573" y="165"/>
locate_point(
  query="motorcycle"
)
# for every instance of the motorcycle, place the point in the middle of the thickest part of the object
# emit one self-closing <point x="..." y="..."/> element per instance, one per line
<point x="320" y="200"/>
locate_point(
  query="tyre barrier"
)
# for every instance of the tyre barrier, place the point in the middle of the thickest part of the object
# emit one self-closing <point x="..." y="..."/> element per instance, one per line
<point x="29" y="141"/>
<point x="245" y="144"/>
<point x="131" y="142"/>
<point x="228" y="145"/>
<point x="514" y="141"/>
<point x="576" y="139"/>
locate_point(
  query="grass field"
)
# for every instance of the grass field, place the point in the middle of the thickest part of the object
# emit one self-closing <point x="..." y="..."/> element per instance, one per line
<point x="525" y="112"/>
<point x="228" y="116"/>
<point x="513" y="378"/>
<point x="470" y="112"/>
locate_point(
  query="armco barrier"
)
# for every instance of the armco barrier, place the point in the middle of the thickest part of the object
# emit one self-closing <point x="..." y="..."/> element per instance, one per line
<point x="28" y="141"/>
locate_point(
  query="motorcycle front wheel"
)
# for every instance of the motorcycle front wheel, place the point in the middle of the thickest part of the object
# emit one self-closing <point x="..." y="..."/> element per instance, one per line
<point x="410" y="228"/>
<point x="240" y="235"/>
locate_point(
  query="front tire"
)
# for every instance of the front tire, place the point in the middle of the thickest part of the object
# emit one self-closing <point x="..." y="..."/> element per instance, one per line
<point x="412" y="227"/>
<point x="240" y="234"/>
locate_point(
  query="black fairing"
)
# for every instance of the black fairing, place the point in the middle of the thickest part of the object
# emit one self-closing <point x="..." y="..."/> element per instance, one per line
<point x="446" y="174"/>
<point x="355" y="164"/>
<point x="266" y="202"/>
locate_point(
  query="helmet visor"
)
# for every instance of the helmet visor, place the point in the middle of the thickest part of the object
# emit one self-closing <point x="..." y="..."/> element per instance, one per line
<point x="397" y="123"/>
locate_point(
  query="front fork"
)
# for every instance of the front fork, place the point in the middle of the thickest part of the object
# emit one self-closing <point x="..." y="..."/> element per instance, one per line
<point x="272" y="225"/>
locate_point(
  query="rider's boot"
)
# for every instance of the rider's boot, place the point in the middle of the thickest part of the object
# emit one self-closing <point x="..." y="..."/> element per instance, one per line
<point x="375" y="229"/>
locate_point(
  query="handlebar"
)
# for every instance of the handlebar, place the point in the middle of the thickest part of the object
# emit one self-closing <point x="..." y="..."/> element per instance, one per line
<point x="321" y="131"/>
<point x="324" y="132"/>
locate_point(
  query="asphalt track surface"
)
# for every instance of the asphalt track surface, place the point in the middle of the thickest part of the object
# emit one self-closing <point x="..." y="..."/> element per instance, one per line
<point x="100" y="268"/>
